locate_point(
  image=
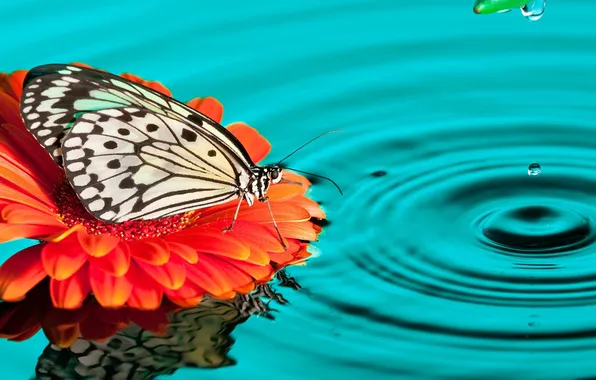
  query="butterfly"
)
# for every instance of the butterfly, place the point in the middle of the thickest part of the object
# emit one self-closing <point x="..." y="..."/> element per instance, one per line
<point x="132" y="153"/>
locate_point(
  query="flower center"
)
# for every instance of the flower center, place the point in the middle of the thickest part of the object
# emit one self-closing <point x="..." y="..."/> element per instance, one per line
<point x="72" y="212"/>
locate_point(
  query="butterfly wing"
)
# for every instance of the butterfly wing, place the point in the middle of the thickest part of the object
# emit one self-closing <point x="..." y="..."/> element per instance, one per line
<point x="55" y="96"/>
<point x="131" y="163"/>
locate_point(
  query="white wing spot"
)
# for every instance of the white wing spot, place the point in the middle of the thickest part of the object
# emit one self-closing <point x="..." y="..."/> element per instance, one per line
<point x="81" y="180"/>
<point x="97" y="205"/>
<point x="75" y="154"/>
<point x="64" y="72"/>
<point x="44" y="132"/>
<point x="47" y="106"/>
<point x="28" y="100"/>
<point x="73" y="142"/>
<point x="90" y="116"/>
<point x="111" y="112"/>
<point x="60" y="83"/>
<point x="27" y="109"/>
<point x="35" y="125"/>
<point x="70" y="79"/>
<point x="30" y="94"/>
<point x="34" y="86"/>
<point x="108" y="215"/>
<point x="83" y="127"/>
<point x="73" y="68"/>
<point x="76" y="166"/>
<point x="50" y="141"/>
<point x="32" y="116"/>
<point x="55" y="92"/>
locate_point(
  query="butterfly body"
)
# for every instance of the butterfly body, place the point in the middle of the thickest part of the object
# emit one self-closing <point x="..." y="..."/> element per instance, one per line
<point x="132" y="153"/>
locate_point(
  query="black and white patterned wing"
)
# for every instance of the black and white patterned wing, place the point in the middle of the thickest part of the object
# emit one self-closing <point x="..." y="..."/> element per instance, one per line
<point x="55" y="96"/>
<point x="130" y="164"/>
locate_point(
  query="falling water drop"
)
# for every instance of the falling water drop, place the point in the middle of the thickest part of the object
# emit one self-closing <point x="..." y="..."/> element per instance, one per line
<point x="534" y="10"/>
<point x="534" y="169"/>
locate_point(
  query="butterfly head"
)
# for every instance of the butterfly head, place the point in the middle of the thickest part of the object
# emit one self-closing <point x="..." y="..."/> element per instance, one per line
<point x="263" y="178"/>
<point x="274" y="172"/>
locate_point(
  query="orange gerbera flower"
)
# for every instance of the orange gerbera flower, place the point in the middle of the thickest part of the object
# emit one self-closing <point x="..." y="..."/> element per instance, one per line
<point x="137" y="263"/>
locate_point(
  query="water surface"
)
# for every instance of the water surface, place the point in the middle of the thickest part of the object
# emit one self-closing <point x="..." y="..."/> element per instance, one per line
<point x="444" y="258"/>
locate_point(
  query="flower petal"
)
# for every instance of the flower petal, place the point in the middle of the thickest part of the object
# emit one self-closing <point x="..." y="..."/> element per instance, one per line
<point x="20" y="214"/>
<point x="228" y="277"/>
<point x="17" y="318"/>
<point x="258" y="256"/>
<point x="196" y="275"/>
<point x="300" y="230"/>
<point x="295" y="254"/>
<point x="171" y="275"/>
<point x="62" y="260"/>
<point x="10" y="194"/>
<point x="260" y="273"/>
<point x="283" y="191"/>
<point x="256" y="145"/>
<point x="9" y="110"/>
<point x="97" y="245"/>
<point x="61" y="326"/>
<point x="62" y="235"/>
<point x="188" y="295"/>
<point x="208" y="106"/>
<point x="227" y="246"/>
<point x="116" y="262"/>
<point x="20" y="273"/>
<point x="22" y="148"/>
<point x="187" y="253"/>
<point x="253" y="234"/>
<point x="282" y="258"/>
<point x="282" y="212"/>
<point x="109" y="290"/>
<point x="10" y="232"/>
<point x="62" y="336"/>
<point x="12" y="83"/>
<point x="146" y="293"/>
<point x="27" y="334"/>
<point x="156" y="251"/>
<point x="313" y="208"/>
<point x="71" y="292"/>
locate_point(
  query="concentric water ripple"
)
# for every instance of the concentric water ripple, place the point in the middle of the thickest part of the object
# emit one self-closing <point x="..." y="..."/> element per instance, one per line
<point x="445" y="259"/>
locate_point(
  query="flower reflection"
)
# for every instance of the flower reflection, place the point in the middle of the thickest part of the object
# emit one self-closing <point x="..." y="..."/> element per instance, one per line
<point x="99" y="343"/>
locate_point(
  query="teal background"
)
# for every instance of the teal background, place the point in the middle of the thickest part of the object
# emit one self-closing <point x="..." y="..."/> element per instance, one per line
<point x="454" y="106"/>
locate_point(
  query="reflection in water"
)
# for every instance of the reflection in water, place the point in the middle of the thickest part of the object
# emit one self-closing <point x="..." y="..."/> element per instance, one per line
<point x="133" y="344"/>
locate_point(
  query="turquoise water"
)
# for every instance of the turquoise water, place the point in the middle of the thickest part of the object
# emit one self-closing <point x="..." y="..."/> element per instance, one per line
<point x="444" y="259"/>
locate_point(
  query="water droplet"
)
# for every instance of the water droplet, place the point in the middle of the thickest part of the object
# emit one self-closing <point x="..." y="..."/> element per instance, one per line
<point x="534" y="10"/>
<point x="534" y="169"/>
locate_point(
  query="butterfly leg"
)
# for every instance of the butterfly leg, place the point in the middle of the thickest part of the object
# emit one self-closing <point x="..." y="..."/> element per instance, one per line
<point x="229" y="228"/>
<point x="281" y="239"/>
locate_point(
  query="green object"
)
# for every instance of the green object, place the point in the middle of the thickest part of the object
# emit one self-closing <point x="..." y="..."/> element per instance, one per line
<point x="491" y="6"/>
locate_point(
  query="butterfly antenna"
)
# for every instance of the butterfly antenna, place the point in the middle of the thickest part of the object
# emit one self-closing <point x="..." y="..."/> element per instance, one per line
<point x="305" y="144"/>
<point x="319" y="176"/>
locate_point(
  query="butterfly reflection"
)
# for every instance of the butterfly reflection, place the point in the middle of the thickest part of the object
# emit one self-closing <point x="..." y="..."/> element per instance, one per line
<point x="97" y="343"/>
